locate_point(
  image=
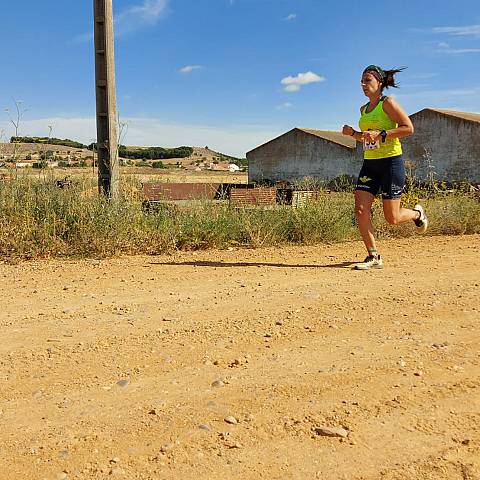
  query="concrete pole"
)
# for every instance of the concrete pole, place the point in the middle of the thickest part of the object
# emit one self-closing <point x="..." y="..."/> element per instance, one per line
<point x="107" y="149"/>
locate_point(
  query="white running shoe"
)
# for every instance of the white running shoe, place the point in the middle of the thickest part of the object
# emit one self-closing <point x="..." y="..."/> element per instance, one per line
<point x="370" y="262"/>
<point x="422" y="222"/>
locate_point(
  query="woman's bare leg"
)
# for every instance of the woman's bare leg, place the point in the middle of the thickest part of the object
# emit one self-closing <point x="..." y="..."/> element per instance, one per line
<point x="363" y="212"/>
<point x="395" y="213"/>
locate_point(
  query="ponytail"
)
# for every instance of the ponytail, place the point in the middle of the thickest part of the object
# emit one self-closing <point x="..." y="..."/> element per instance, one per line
<point x="389" y="79"/>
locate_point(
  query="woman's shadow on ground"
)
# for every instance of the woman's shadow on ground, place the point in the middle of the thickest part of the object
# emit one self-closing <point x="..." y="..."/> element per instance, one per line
<point x="205" y="263"/>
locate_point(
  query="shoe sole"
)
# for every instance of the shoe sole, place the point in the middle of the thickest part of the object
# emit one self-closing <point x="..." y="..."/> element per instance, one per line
<point x="373" y="267"/>
<point x="424" y="227"/>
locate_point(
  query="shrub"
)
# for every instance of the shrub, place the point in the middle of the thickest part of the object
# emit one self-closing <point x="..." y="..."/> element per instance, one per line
<point x="143" y="164"/>
<point x="46" y="155"/>
<point x="40" y="165"/>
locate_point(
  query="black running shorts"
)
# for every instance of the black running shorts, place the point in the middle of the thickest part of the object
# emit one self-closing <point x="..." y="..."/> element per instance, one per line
<point x="386" y="175"/>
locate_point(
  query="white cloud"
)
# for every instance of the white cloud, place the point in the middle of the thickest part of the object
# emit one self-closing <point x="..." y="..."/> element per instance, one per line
<point x="293" y="84"/>
<point x="136" y="17"/>
<point x="284" y="106"/>
<point x="460" y="51"/>
<point x="232" y="139"/>
<point x="139" y="16"/>
<point x="190" y="68"/>
<point x="460" y="31"/>
<point x="292" y="16"/>
<point x="444" y="47"/>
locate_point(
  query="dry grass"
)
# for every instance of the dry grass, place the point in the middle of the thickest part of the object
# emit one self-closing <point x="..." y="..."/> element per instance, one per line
<point x="39" y="220"/>
<point x="140" y="174"/>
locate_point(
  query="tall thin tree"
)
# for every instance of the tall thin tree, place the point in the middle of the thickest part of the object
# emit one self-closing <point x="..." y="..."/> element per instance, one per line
<point x="15" y="118"/>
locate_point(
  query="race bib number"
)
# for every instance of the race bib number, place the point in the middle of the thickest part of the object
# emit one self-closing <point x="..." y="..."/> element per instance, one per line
<point x="371" y="145"/>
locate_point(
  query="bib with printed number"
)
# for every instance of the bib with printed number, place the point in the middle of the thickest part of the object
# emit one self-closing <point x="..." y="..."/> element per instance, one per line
<point x="371" y="145"/>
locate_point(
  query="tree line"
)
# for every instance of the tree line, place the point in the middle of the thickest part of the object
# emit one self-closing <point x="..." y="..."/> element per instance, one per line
<point x="48" y="140"/>
<point x="146" y="153"/>
<point x="154" y="153"/>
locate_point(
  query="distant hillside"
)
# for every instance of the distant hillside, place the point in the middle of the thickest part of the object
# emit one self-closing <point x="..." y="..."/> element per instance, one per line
<point x="25" y="149"/>
<point x="213" y="155"/>
<point x="195" y="155"/>
<point x="183" y="155"/>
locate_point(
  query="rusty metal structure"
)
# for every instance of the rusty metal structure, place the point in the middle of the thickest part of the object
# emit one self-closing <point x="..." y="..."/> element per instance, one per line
<point x="107" y="148"/>
<point x="237" y="195"/>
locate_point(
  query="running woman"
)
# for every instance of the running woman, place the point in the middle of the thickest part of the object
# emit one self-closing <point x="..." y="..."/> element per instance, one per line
<point x="382" y="123"/>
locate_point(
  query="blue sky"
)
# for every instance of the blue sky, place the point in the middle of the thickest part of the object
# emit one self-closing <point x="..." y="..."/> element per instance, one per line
<point x="232" y="74"/>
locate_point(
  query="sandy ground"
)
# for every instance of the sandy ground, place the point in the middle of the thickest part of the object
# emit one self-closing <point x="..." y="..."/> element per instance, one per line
<point x="224" y="364"/>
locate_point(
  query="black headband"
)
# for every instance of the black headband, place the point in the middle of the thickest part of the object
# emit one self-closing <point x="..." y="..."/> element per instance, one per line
<point x="377" y="71"/>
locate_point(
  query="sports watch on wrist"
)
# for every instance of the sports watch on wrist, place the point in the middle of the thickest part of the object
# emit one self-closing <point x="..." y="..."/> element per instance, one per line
<point x="383" y="134"/>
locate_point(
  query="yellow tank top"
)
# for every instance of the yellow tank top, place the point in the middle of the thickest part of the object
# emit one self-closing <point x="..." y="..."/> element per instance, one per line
<point x="377" y="119"/>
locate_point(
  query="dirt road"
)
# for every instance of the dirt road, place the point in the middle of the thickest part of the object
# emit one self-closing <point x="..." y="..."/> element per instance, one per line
<point x="223" y="365"/>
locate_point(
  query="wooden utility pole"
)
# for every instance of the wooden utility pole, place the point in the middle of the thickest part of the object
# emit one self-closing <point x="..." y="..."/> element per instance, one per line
<point x="107" y="148"/>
